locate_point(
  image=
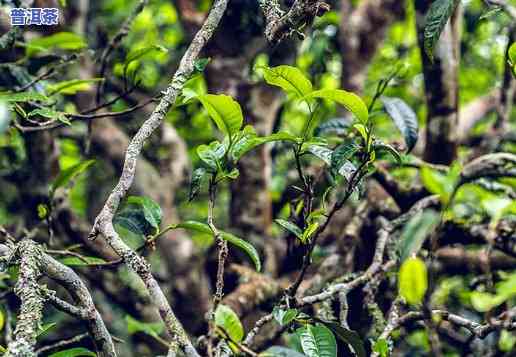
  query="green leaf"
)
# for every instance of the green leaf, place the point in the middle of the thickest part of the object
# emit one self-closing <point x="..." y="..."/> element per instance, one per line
<point x="228" y="320"/>
<point x="439" y="183"/>
<point x="74" y="352"/>
<point x="288" y="78"/>
<point x="153" y="329"/>
<point x="317" y="341"/>
<point x="250" y="140"/>
<point x="291" y="227"/>
<point x="140" y="215"/>
<point x="69" y="174"/>
<point x="139" y="53"/>
<point x="413" y="280"/>
<point x="62" y="40"/>
<point x="491" y="12"/>
<point x="284" y="317"/>
<point x="212" y="154"/>
<point x="73" y="86"/>
<point x="379" y="146"/>
<point x="352" y="102"/>
<point x="404" y="118"/>
<point x="51" y="114"/>
<point x="347" y="336"/>
<point x="484" y="302"/>
<point x="196" y="181"/>
<point x="2" y="320"/>
<point x="309" y="231"/>
<point x="280" y="351"/>
<point x="507" y="341"/>
<point x="5" y="117"/>
<point x="337" y="126"/>
<point x="342" y="154"/>
<point x="321" y="152"/>
<point x="511" y="54"/>
<point x="381" y="347"/>
<point x="236" y="241"/>
<point x="415" y="232"/>
<point x="43" y="329"/>
<point x="201" y="63"/>
<point x="225" y="112"/>
<point x="23" y="97"/>
<point x="85" y="261"/>
<point x="438" y="15"/>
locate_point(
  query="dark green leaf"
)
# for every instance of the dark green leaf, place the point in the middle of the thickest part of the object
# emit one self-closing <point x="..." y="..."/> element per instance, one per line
<point x="225" y="112"/>
<point x="337" y="126"/>
<point x="352" y="102"/>
<point x="236" y="241"/>
<point x="201" y="63"/>
<point x="341" y="155"/>
<point x="379" y="146"/>
<point x="74" y="352"/>
<point x="280" y="351"/>
<point x="291" y="227"/>
<point x="140" y="215"/>
<point x="348" y="336"/>
<point x="288" y="78"/>
<point x="415" y="232"/>
<point x="249" y="140"/>
<point x="404" y="118"/>
<point x="317" y="341"/>
<point x="438" y="15"/>
<point x="321" y="152"/>
<point x="69" y="174"/>
<point x="228" y="320"/>
<point x="196" y="181"/>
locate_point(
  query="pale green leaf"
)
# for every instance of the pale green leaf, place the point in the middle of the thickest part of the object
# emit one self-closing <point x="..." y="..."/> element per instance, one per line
<point x="288" y="78"/>
<point x="23" y="97"/>
<point x="352" y="102"/>
<point x="62" y="40"/>
<point x="72" y="86"/>
<point x="69" y="174"/>
<point x="317" y="341"/>
<point x="416" y="231"/>
<point x="291" y="227"/>
<point x="224" y="110"/>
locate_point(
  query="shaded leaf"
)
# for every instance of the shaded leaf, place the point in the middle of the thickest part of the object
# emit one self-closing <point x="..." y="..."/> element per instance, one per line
<point x="280" y="351"/>
<point x="226" y="318"/>
<point x="415" y="232"/>
<point x="224" y="110"/>
<point x="404" y="118"/>
<point x="337" y="126"/>
<point x="288" y="78"/>
<point x="140" y="215"/>
<point x="85" y="261"/>
<point x="196" y="181"/>
<point x="212" y="154"/>
<point x="142" y="52"/>
<point x="201" y="63"/>
<point x="379" y="146"/>
<point x="291" y="227"/>
<point x="74" y="352"/>
<point x="317" y="341"/>
<point x="438" y="15"/>
<point x="50" y="114"/>
<point x="342" y="154"/>
<point x="348" y="336"/>
<point x="413" y="280"/>
<point x="236" y="241"/>
<point x="5" y="117"/>
<point x="321" y="152"/>
<point x="250" y="140"/>
<point x="69" y="174"/>
<point x="352" y="102"/>
<point x="284" y="317"/>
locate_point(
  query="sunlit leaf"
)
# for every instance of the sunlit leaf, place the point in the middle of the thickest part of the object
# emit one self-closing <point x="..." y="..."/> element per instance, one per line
<point x="153" y="329"/>
<point x="413" y="280"/>
<point x="212" y="154"/>
<point x="352" y="102"/>
<point x="72" y="86"/>
<point x="284" y="316"/>
<point x="62" y="40"/>
<point x="229" y="321"/>
<point x="250" y="140"/>
<point x="83" y="261"/>
<point x="288" y="78"/>
<point x="23" y="97"/>
<point x="224" y="110"/>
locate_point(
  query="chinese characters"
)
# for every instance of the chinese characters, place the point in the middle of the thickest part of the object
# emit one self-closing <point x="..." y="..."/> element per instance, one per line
<point x="34" y="16"/>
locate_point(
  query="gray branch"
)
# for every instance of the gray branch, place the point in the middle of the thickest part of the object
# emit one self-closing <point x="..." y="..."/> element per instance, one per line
<point x="104" y="221"/>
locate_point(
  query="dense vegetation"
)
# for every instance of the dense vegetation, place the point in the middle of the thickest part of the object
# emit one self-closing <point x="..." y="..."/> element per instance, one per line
<point x="258" y="178"/>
